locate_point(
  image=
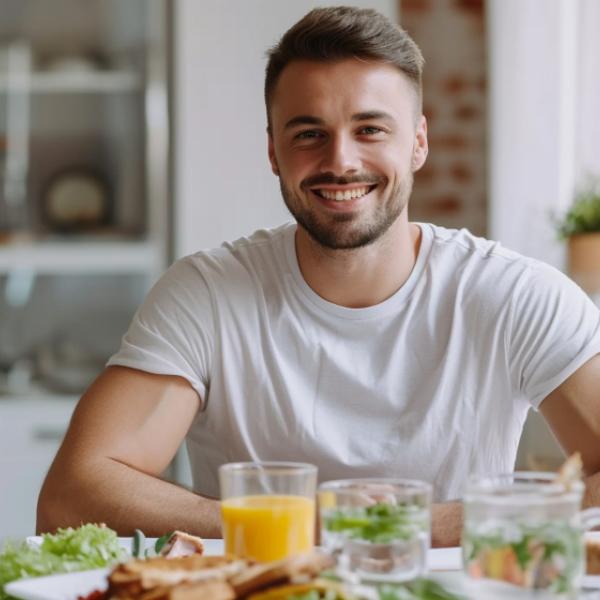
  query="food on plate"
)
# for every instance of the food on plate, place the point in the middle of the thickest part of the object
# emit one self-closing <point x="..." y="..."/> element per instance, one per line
<point x="137" y="577"/>
<point x="263" y="575"/>
<point x="171" y="545"/>
<point x="180" y="543"/>
<point x="319" y="589"/>
<point x="86" y="547"/>
<point x="215" y="577"/>
<point x="592" y="552"/>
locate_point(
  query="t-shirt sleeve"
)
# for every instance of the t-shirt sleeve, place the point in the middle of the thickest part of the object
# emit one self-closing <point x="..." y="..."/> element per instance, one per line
<point x="172" y="333"/>
<point x="554" y="329"/>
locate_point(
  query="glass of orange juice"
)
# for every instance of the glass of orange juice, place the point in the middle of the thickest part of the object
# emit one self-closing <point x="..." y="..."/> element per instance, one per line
<point x="268" y="508"/>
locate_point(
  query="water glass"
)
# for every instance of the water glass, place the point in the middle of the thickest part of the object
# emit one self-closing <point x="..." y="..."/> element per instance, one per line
<point x="523" y="535"/>
<point x="379" y="529"/>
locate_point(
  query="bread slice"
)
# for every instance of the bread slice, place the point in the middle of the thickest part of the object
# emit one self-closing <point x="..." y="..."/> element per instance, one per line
<point x="137" y="576"/>
<point x="260" y="576"/>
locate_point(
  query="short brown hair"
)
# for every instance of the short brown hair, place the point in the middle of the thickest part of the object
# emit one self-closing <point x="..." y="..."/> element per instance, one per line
<point x="341" y="32"/>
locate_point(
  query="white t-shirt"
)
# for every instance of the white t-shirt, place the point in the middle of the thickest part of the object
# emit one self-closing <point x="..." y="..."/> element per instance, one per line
<point x="434" y="383"/>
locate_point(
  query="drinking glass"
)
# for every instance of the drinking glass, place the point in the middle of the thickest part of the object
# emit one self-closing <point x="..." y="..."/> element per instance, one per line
<point x="523" y="535"/>
<point x="379" y="529"/>
<point x="268" y="508"/>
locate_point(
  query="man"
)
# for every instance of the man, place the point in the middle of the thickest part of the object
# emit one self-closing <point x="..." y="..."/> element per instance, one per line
<point x="356" y="340"/>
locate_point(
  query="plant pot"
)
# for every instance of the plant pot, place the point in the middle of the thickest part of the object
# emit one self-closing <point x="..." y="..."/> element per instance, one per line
<point x="584" y="261"/>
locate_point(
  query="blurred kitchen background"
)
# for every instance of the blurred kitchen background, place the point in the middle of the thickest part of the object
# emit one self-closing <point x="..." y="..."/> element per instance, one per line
<point x="132" y="132"/>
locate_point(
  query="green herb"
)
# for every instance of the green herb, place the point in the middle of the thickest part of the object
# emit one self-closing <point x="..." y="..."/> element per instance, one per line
<point x="314" y="595"/>
<point x="138" y="544"/>
<point x="87" y="547"/>
<point x="379" y="524"/>
<point x="161" y="541"/>
<point x="419" y="589"/>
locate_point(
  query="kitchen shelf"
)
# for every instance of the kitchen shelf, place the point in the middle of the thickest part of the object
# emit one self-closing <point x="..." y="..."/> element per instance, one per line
<point x="58" y="83"/>
<point x="54" y="257"/>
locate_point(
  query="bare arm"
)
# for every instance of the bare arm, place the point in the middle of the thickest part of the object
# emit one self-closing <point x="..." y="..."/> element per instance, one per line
<point x="446" y="524"/>
<point x="573" y="413"/>
<point x="124" y="432"/>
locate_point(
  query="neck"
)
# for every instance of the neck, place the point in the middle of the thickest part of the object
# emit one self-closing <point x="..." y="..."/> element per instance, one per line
<point x="364" y="276"/>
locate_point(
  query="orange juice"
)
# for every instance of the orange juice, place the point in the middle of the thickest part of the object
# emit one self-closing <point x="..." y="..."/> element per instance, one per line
<point x="267" y="528"/>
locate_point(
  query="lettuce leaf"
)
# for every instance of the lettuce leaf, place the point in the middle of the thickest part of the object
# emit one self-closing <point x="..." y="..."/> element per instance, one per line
<point x="87" y="547"/>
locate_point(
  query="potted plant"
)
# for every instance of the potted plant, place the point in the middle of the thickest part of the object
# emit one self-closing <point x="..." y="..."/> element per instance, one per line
<point x="581" y="228"/>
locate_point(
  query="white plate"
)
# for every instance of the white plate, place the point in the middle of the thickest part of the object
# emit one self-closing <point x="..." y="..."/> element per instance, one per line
<point x="443" y="562"/>
<point x="69" y="586"/>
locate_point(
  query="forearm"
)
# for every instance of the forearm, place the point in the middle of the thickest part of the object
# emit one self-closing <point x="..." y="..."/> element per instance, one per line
<point x="591" y="496"/>
<point x="446" y="524"/>
<point x="106" y="491"/>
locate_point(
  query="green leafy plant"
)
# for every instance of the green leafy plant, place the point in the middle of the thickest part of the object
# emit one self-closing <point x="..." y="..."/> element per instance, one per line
<point x="584" y="214"/>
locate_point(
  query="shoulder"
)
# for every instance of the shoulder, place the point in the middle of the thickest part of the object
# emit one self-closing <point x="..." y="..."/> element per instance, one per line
<point x="489" y="279"/>
<point x="482" y="260"/>
<point x="245" y="261"/>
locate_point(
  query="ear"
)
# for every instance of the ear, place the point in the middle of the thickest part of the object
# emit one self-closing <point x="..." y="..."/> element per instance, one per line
<point x="272" y="158"/>
<point x="421" y="147"/>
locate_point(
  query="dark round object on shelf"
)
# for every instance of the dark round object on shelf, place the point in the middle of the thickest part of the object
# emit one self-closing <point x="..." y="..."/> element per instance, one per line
<point x="75" y="200"/>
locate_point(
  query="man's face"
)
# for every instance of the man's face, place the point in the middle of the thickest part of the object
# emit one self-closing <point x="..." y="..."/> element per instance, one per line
<point x="345" y="142"/>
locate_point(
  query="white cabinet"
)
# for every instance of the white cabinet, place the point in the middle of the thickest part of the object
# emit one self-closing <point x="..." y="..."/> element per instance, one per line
<point x="31" y="430"/>
<point x="84" y="178"/>
<point x="85" y="206"/>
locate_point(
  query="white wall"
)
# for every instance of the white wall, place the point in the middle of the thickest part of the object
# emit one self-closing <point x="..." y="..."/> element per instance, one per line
<point x="224" y="187"/>
<point x="532" y="91"/>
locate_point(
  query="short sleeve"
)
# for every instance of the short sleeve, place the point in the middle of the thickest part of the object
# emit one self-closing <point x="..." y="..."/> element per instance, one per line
<point x="172" y="333"/>
<point x="554" y="329"/>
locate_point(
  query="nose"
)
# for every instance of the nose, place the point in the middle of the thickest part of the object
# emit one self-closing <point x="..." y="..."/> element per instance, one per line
<point x="340" y="155"/>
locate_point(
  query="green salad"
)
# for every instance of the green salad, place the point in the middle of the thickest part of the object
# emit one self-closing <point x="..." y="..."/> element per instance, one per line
<point x="87" y="547"/>
<point x="544" y="556"/>
<point x="379" y="523"/>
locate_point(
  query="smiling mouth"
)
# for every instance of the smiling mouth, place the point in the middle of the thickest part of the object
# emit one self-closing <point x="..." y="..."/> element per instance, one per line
<point x="343" y="195"/>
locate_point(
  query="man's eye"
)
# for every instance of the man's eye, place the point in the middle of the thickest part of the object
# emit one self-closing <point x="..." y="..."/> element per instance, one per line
<point x="370" y="130"/>
<point x="309" y="134"/>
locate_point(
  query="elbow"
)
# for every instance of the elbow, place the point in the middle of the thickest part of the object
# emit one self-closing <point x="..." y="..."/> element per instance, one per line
<point x="48" y="517"/>
<point x="57" y="504"/>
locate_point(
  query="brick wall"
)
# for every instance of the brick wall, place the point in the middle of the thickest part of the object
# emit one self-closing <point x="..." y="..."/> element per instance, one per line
<point x="450" y="190"/>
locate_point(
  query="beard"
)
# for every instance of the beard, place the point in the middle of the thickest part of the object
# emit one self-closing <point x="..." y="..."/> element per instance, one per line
<point x="349" y="230"/>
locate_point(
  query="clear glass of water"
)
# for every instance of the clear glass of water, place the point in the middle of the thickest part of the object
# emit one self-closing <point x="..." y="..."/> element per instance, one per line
<point x="523" y="535"/>
<point x="379" y="529"/>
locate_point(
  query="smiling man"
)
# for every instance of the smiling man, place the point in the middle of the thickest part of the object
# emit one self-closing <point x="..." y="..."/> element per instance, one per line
<point x="352" y="339"/>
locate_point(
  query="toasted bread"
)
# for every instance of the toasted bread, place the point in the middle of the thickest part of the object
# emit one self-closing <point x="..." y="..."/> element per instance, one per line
<point x="288" y="570"/>
<point x="137" y="576"/>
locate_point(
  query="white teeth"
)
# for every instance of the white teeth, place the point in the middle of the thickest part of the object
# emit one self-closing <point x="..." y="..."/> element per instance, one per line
<point x="341" y="196"/>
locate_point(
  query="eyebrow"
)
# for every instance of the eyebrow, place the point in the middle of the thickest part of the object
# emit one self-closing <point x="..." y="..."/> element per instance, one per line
<point x="361" y="116"/>
<point x="370" y="115"/>
<point x="303" y="120"/>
